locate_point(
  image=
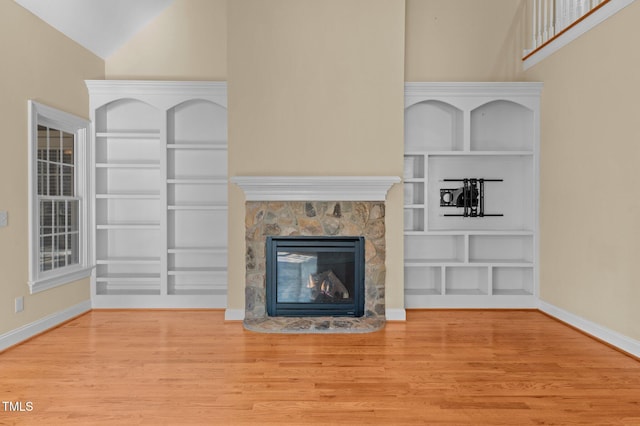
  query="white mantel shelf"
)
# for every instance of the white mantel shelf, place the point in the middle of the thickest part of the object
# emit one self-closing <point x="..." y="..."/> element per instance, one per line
<point x="315" y="188"/>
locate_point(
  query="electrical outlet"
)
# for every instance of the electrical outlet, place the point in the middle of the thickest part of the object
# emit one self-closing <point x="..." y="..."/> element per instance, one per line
<point x="19" y="304"/>
<point x="3" y="218"/>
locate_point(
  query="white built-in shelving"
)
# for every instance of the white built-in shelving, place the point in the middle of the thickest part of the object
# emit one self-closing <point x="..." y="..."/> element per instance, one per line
<point x="160" y="193"/>
<point x="471" y="130"/>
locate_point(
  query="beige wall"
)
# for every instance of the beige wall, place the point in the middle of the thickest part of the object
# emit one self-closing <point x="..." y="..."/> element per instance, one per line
<point x="463" y="40"/>
<point x="590" y="210"/>
<point x="37" y="63"/>
<point x="188" y="41"/>
<point x="316" y="88"/>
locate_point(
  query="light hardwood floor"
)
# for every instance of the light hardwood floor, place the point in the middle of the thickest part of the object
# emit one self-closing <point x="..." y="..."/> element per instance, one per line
<point x="439" y="367"/>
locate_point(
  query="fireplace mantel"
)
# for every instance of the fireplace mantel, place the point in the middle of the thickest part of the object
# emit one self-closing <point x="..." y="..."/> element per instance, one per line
<point x="315" y="188"/>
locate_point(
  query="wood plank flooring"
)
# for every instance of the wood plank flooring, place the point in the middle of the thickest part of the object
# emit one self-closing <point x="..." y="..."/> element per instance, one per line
<point x="439" y="367"/>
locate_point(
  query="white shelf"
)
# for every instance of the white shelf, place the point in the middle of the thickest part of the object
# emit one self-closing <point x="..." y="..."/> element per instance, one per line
<point x="470" y="153"/>
<point x="130" y="196"/>
<point x="198" y="181"/>
<point x="420" y="153"/>
<point x="497" y="232"/>
<point x="197" y="271"/>
<point x="515" y="292"/>
<point x="128" y="135"/>
<point x="129" y="261"/>
<point x="449" y="262"/>
<point x="131" y="226"/>
<point x="432" y="262"/>
<point x="129" y="278"/>
<point x="109" y="293"/>
<point x="198" y="145"/>
<point x="214" y="207"/>
<point x="421" y="292"/>
<point x="503" y="263"/>
<point x="198" y="250"/>
<point x="132" y="165"/>
<point x="479" y="131"/>
<point x="466" y="292"/>
<point x="478" y="153"/>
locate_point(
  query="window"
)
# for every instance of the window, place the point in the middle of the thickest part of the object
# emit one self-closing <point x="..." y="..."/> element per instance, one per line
<point x="58" y="206"/>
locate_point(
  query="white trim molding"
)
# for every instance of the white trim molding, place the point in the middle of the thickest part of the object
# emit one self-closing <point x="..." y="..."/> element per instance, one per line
<point x="70" y="276"/>
<point x="396" y="314"/>
<point x="598" y="16"/>
<point x="145" y="301"/>
<point x="161" y="94"/>
<point x="234" y="314"/>
<point x="30" y="330"/>
<point x="416" y="91"/>
<point x="315" y="188"/>
<point x="604" y="334"/>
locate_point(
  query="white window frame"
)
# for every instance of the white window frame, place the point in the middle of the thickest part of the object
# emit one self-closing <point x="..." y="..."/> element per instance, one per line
<point x="44" y="115"/>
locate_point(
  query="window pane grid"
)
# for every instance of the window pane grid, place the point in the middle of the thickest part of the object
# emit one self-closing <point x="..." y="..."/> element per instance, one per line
<point x="59" y="208"/>
<point x="56" y="162"/>
<point x="59" y="233"/>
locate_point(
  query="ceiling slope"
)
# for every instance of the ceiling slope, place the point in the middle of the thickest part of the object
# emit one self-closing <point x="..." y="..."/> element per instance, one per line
<point x="101" y="26"/>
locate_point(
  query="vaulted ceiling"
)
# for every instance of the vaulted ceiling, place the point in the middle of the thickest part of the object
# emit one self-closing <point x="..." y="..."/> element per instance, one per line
<point x="101" y="26"/>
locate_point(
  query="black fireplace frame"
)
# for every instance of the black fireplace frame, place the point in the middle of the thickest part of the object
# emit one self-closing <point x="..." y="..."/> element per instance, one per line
<point x="315" y="244"/>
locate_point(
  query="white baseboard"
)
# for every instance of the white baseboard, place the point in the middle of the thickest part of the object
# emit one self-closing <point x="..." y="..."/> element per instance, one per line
<point x="234" y="314"/>
<point x="611" y="337"/>
<point x="27" y="331"/>
<point x="396" y="315"/>
<point x="176" y="301"/>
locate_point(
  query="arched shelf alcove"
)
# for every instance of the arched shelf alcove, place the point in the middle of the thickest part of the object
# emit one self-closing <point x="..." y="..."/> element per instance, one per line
<point x="197" y="121"/>
<point x="502" y="125"/>
<point x="196" y="198"/>
<point x="128" y="187"/>
<point x="433" y="126"/>
<point x="117" y="116"/>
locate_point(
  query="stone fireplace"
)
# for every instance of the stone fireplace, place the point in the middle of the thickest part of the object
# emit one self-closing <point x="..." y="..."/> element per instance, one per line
<point x="315" y="206"/>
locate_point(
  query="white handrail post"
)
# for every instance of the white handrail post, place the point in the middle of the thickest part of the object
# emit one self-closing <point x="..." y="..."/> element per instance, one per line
<point x="562" y="18"/>
<point x="534" y="40"/>
<point x="539" y="27"/>
<point x="545" y="24"/>
<point x="574" y="12"/>
<point x="552" y="18"/>
<point x="584" y="7"/>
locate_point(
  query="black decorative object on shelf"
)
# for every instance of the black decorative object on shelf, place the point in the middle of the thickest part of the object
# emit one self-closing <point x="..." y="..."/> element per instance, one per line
<point x="469" y="197"/>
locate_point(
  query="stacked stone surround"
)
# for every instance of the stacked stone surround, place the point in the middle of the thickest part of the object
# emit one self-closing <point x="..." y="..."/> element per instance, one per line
<point x="315" y="218"/>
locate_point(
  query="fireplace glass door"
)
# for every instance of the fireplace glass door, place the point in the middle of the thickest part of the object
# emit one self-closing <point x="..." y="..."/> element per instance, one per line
<point x="315" y="276"/>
